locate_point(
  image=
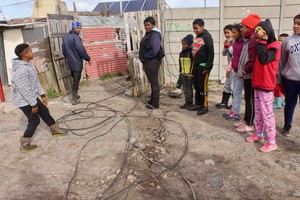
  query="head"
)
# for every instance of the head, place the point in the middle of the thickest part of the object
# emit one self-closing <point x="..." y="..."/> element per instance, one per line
<point x="236" y="31"/>
<point x="24" y="52"/>
<point x="249" y="23"/>
<point x="76" y="27"/>
<point x="296" y="27"/>
<point x="149" y="24"/>
<point x="281" y="37"/>
<point x="187" y="41"/>
<point x="228" y="31"/>
<point x="265" y="28"/>
<point x="198" y="26"/>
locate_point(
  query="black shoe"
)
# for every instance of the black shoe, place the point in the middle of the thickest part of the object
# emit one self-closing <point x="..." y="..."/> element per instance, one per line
<point x="185" y="106"/>
<point x="202" y="111"/>
<point x="221" y="105"/>
<point x="229" y="107"/>
<point x="194" y="107"/>
<point x="286" y="130"/>
<point x="151" y="107"/>
<point x="148" y="102"/>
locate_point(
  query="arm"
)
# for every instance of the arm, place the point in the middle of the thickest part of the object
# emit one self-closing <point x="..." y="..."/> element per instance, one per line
<point x="251" y="56"/>
<point x="155" y="42"/>
<point x="265" y="56"/>
<point x="210" y="53"/>
<point x="80" y="49"/>
<point x="283" y="60"/>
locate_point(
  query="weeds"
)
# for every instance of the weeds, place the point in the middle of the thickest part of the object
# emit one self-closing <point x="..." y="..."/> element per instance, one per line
<point x="108" y="76"/>
<point x="52" y="93"/>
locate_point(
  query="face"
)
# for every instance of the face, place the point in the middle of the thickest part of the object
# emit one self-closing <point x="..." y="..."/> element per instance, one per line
<point x="236" y="34"/>
<point x="244" y="29"/>
<point x="198" y="29"/>
<point x="228" y="33"/>
<point x="77" y="30"/>
<point x="259" y="32"/>
<point x="280" y="39"/>
<point x="28" y="53"/>
<point x="184" y="45"/>
<point x="148" y="26"/>
<point x="296" y="27"/>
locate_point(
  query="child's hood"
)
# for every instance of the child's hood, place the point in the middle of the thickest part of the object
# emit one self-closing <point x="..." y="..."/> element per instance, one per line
<point x="16" y="63"/>
<point x="267" y="27"/>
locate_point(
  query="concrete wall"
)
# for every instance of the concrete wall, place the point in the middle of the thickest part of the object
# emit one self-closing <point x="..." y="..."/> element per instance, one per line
<point x="178" y="23"/>
<point x="12" y="37"/>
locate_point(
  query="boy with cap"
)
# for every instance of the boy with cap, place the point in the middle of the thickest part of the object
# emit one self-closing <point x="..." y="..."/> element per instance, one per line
<point x="25" y="91"/>
<point x="186" y="69"/>
<point x="74" y="51"/>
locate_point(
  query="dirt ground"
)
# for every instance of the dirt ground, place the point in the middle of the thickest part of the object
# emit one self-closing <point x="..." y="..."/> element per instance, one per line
<point x="118" y="149"/>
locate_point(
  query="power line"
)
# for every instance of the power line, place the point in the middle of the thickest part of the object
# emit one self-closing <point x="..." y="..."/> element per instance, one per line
<point x="14" y="4"/>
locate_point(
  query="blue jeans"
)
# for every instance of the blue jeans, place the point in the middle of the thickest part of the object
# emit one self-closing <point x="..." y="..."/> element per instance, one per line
<point x="238" y="86"/>
<point x="228" y="85"/>
<point x="292" y="91"/>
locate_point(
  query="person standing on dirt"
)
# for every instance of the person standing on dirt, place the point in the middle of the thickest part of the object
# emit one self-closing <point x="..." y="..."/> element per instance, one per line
<point x="203" y="52"/>
<point x="75" y="53"/>
<point x="289" y="74"/>
<point x="25" y="91"/>
<point x="150" y="56"/>
<point x="264" y="83"/>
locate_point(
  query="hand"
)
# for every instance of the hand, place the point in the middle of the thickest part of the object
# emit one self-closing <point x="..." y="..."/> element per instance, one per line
<point x="228" y="73"/>
<point x="45" y="101"/>
<point x="205" y="72"/>
<point x="34" y="110"/>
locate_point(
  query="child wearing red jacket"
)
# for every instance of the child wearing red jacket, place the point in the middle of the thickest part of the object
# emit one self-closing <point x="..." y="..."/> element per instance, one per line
<point x="264" y="83"/>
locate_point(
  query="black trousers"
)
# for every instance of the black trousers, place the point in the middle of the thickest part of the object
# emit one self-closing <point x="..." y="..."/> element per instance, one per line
<point x="151" y="69"/>
<point x="249" y="101"/>
<point x="34" y="119"/>
<point x="76" y="75"/>
<point x="200" y="85"/>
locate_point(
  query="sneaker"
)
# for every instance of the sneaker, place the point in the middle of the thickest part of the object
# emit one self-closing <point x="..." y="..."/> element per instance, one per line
<point x="286" y="131"/>
<point x="185" y="105"/>
<point x="230" y="112"/>
<point x="268" y="147"/>
<point x="255" y="138"/>
<point x="244" y="129"/>
<point x="234" y="117"/>
<point x="221" y="105"/>
<point x="202" y="111"/>
<point x="151" y="107"/>
<point x="239" y="124"/>
<point x="194" y="107"/>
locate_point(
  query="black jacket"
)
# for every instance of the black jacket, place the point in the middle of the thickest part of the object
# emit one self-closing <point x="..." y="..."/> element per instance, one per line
<point x="74" y="51"/>
<point x="150" y="46"/>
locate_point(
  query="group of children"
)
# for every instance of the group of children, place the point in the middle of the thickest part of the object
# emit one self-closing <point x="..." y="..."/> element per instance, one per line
<point x="257" y="65"/>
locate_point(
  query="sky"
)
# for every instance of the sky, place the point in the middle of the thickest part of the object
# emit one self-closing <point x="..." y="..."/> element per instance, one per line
<point x="10" y="9"/>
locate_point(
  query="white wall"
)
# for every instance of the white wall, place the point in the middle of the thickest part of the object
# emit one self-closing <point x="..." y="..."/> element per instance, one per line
<point x="12" y="38"/>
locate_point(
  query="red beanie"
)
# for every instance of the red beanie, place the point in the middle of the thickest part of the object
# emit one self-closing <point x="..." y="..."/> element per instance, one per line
<point x="251" y="21"/>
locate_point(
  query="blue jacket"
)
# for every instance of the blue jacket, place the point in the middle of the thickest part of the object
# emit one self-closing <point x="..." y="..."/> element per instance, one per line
<point x="74" y="51"/>
<point x="150" y="46"/>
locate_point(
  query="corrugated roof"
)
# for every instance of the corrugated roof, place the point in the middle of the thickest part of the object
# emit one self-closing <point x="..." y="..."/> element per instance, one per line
<point x="113" y="8"/>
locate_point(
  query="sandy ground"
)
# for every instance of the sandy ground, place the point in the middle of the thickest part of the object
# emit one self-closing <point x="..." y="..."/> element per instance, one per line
<point x="117" y="149"/>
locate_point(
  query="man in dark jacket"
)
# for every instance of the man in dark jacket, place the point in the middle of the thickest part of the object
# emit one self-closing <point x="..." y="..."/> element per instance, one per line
<point x="74" y="51"/>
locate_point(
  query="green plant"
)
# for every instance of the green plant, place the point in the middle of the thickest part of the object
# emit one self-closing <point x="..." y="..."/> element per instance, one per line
<point x="107" y="76"/>
<point x="52" y="93"/>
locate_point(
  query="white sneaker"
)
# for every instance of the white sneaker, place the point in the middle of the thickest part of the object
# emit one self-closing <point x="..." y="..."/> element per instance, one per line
<point x="176" y="91"/>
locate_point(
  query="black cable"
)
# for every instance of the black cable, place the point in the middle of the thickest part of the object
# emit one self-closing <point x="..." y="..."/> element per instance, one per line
<point x="14" y="4"/>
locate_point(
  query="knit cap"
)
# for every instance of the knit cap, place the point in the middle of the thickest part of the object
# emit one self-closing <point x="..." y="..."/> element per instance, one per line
<point x="251" y="21"/>
<point x="75" y="25"/>
<point x="189" y="39"/>
<point x="20" y="48"/>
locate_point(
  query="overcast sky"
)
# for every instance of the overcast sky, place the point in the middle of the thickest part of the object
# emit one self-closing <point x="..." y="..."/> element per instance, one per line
<point x="12" y="9"/>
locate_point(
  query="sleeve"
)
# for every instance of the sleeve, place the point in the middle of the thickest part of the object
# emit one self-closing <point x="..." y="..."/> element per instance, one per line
<point x="180" y="68"/>
<point x="229" y="67"/>
<point x="265" y="56"/>
<point x="192" y="63"/>
<point x="210" y="54"/>
<point x="80" y="49"/>
<point x="283" y="60"/>
<point x="251" y="56"/>
<point x="155" y="42"/>
<point x="25" y="84"/>
<point x="227" y="51"/>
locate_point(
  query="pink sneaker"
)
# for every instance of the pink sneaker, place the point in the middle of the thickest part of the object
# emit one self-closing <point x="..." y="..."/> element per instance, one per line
<point x="239" y="123"/>
<point x="246" y="128"/>
<point x="268" y="147"/>
<point x="255" y="138"/>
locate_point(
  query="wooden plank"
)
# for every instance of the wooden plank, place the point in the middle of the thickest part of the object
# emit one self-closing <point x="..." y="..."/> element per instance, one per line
<point x="60" y="17"/>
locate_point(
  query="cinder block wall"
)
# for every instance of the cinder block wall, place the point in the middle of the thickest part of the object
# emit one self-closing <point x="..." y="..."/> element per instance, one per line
<point x="178" y="23"/>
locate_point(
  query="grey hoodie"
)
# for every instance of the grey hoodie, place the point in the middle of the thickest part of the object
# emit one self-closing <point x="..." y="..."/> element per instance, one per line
<point x="289" y="66"/>
<point x="25" y="84"/>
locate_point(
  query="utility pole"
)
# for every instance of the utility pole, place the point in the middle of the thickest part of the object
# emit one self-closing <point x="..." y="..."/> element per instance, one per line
<point x="121" y="8"/>
<point x="204" y="3"/>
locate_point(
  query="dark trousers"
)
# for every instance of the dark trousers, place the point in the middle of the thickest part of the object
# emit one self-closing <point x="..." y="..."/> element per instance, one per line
<point x="249" y="101"/>
<point x="76" y="75"/>
<point x="187" y="89"/>
<point x="179" y="81"/>
<point x="34" y="119"/>
<point x="151" y="69"/>
<point x="292" y="92"/>
<point x="200" y="85"/>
